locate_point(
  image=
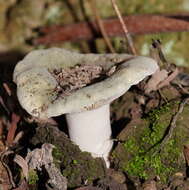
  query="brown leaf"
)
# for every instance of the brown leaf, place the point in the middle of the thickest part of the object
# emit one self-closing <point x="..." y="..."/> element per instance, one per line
<point x="42" y="157"/>
<point x="154" y="81"/>
<point x="23" y="164"/>
<point x="5" y="183"/>
<point x="4" y="177"/>
<point x="167" y="81"/>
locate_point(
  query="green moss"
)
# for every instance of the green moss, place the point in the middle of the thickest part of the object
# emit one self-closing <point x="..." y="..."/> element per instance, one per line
<point x="75" y="162"/>
<point x="57" y="156"/>
<point x="33" y="177"/>
<point x="75" y="165"/>
<point x="82" y="170"/>
<point x="140" y="152"/>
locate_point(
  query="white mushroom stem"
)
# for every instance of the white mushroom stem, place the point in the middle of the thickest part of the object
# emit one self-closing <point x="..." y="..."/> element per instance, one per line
<point x="91" y="131"/>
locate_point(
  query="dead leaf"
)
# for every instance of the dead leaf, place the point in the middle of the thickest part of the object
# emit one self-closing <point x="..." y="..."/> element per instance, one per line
<point x="160" y="79"/>
<point x="23" y="164"/>
<point x="42" y="157"/>
<point x="156" y="78"/>
<point x="167" y="81"/>
<point x="4" y="177"/>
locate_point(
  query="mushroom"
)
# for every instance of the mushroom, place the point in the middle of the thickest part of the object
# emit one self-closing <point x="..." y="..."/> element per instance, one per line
<point x="56" y="81"/>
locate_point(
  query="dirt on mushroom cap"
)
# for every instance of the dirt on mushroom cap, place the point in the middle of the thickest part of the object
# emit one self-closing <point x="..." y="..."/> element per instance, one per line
<point x="74" y="78"/>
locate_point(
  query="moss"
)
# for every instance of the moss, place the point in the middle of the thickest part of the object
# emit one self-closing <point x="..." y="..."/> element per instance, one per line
<point x="57" y="156"/>
<point x="33" y="177"/>
<point x="76" y="166"/>
<point x="140" y="152"/>
<point x="82" y="169"/>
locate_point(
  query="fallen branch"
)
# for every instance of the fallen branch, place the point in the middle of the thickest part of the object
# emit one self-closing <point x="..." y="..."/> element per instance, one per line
<point x="137" y="24"/>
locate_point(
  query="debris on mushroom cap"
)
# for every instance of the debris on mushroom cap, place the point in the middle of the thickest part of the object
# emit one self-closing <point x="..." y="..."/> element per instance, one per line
<point x="92" y="80"/>
<point x="74" y="78"/>
<point x="70" y="79"/>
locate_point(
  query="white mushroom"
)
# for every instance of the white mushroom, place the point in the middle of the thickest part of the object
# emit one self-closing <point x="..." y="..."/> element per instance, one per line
<point x="55" y="81"/>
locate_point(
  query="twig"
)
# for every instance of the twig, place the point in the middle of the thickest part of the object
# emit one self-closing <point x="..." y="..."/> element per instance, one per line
<point x="124" y="27"/>
<point x="12" y="129"/>
<point x="172" y="125"/>
<point x="3" y="104"/>
<point x="101" y="25"/>
<point x="7" y="89"/>
<point x="82" y="31"/>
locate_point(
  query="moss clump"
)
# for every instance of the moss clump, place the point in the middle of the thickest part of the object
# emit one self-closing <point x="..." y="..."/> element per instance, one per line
<point x="33" y="177"/>
<point x="140" y="152"/>
<point x="78" y="167"/>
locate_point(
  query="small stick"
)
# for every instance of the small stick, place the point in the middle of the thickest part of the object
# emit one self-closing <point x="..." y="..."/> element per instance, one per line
<point x="3" y="104"/>
<point x="124" y="27"/>
<point x="12" y="129"/>
<point x="6" y="87"/>
<point x="101" y="26"/>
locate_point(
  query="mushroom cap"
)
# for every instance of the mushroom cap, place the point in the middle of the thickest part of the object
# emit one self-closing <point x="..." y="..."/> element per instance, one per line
<point x="36" y="85"/>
